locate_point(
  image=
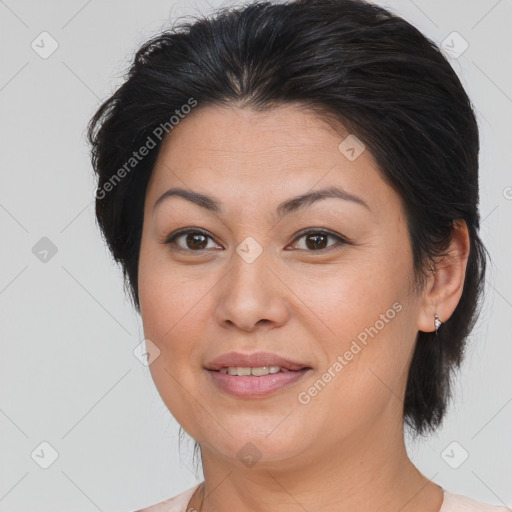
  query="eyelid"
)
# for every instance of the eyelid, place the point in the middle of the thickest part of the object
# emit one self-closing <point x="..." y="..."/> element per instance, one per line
<point x="170" y="239"/>
<point x="322" y="231"/>
<point x="183" y="231"/>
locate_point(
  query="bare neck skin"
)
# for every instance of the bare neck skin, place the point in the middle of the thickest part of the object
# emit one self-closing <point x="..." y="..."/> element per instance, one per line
<point x="370" y="471"/>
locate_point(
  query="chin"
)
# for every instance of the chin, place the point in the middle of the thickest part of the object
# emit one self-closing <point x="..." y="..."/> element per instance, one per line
<point x="266" y="442"/>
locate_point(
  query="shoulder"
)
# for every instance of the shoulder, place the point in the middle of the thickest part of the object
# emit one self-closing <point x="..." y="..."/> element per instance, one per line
<point x="177" y="503"/>
<point x="459" y="503"/>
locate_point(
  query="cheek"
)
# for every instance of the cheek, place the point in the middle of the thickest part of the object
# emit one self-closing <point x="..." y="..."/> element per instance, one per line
<point x="348" y="296"/>
<point x="168" y="297"/>
<point x="172" y="312"/>
<point x="173" y="315"/>
<point x="366" y="338"/>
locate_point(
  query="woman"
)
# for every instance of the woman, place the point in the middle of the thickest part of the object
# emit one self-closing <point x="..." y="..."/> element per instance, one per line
<point x="292" y="193"/>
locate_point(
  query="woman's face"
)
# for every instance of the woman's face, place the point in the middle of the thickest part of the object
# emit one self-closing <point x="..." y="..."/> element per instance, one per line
<point x="254" y="282"/>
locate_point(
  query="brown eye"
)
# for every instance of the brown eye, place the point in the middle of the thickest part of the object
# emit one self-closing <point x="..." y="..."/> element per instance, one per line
<point x="194" y="240"/>
<point x="316" y="241"/>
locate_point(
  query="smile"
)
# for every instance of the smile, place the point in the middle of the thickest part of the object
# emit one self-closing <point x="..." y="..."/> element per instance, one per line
<point x="243" y="383"/>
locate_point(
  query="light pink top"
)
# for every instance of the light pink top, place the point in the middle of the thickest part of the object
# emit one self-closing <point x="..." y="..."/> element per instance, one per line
<point x="452" y="503"/>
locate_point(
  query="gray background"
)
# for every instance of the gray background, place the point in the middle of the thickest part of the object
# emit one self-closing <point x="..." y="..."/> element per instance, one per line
<point x="68" y="375"/>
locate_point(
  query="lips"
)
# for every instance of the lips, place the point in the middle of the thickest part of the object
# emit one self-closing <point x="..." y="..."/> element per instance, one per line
<point x="254" y="360"/>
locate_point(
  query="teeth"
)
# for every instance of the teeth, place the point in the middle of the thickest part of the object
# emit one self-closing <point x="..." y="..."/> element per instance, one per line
<point x="258" y="372"/>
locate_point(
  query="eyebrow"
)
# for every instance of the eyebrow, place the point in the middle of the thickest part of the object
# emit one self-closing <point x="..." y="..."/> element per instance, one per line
<point x="286" y="207"/>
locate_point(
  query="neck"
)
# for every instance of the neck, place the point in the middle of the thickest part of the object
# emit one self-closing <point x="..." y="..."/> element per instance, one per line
<point x="361" y="474"/>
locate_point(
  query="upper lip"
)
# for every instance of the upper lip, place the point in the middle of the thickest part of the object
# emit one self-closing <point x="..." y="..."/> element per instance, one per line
<point x="253" y="360"/>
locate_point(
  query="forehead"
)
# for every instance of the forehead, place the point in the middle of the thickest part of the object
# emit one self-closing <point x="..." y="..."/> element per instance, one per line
<point x="231" y="132"/>
<point x="247" y="155"/>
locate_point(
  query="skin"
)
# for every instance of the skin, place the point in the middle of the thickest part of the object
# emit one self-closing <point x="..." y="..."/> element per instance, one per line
<point x="344" y="450"/>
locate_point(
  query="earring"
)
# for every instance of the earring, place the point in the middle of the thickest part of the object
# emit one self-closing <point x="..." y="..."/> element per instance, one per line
<point x="437" y="322"/>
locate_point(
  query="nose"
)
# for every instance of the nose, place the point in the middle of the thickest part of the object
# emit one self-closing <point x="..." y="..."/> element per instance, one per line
<point x="252" y="295"/>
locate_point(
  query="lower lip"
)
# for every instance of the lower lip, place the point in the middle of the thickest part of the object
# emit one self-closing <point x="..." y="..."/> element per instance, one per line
<point x="250" y="386"/>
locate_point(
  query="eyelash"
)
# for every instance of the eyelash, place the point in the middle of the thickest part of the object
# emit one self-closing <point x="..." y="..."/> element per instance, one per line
<point x="341" y="240"/>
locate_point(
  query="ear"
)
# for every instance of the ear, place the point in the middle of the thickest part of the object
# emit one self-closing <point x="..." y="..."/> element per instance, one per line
<point x="443" y="289"/>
